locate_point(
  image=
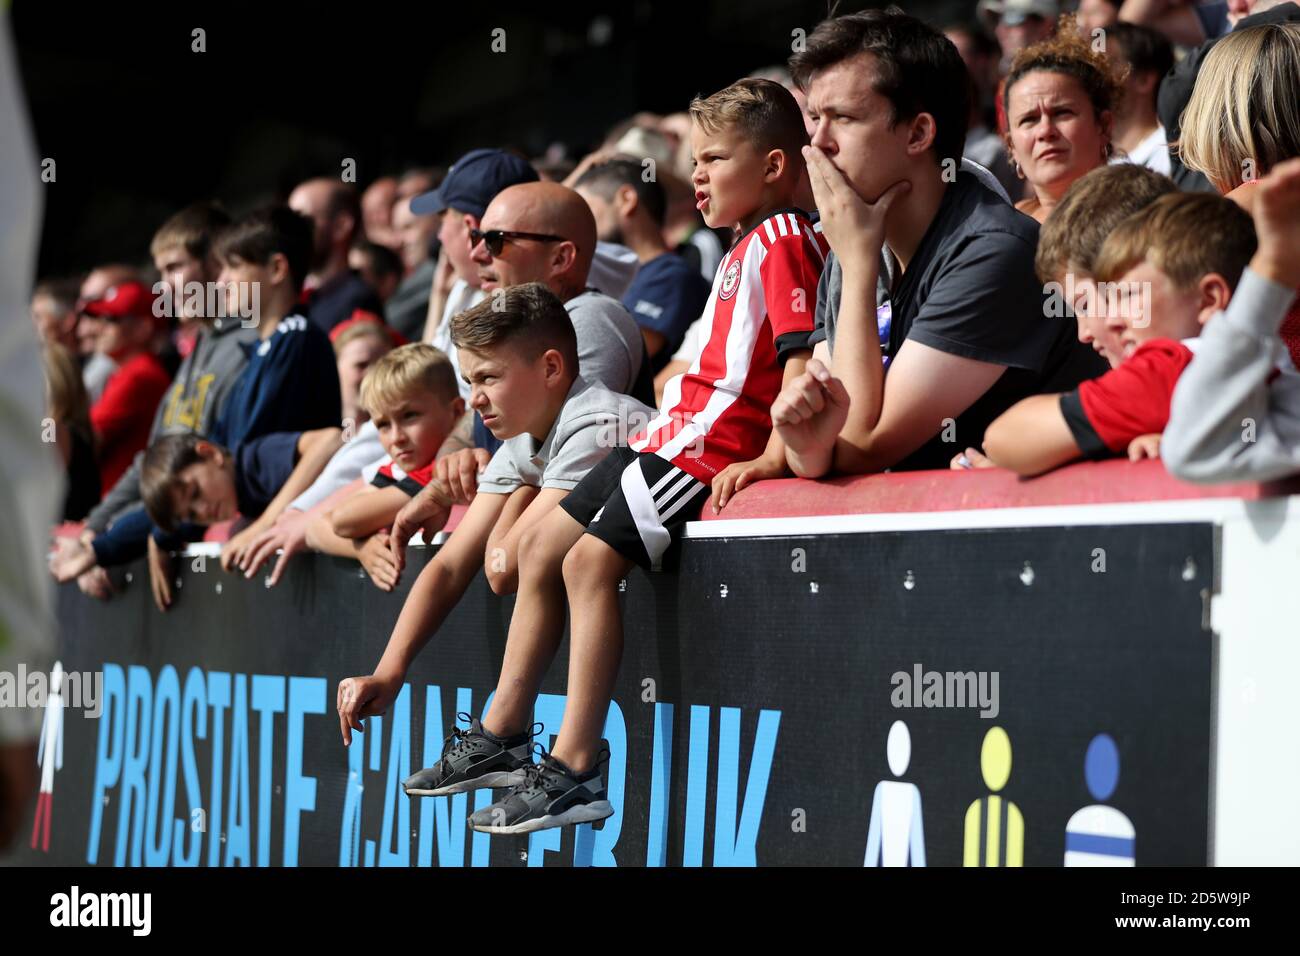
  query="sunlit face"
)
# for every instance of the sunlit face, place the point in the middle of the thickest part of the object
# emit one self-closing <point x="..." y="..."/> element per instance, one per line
<point x="312" y="199"/>
<point x="521" y="260"/>
<point x="414" y="428"/>
<point x="1055" y="134"/>
<point x="1092" y="327"/>
<point x="377" y="206"/>
<point x="506" y="389"/>
<point x="1147" y="305"/>
<point x="728" y="175"/>
<point x="453" y="233"/>
<point x="178" y="269"/>
<point x="88" y="326"/>
<point x="204" y="492"/>
<point x="853" y="127"/>
<point x="353" y="360"/>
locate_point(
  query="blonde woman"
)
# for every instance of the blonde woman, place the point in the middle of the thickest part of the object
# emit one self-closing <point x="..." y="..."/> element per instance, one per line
<point x="1243" y="120"/>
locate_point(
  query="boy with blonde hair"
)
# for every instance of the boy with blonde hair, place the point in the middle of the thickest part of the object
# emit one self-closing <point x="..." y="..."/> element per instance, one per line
<point x="412" y="397"/>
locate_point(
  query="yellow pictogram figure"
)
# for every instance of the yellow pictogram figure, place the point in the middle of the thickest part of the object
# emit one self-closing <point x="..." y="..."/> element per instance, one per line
<point x="993" y="823"/>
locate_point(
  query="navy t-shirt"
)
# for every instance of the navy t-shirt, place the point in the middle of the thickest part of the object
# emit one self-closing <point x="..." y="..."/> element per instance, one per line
<point x="666" y="296"/>
<point x="291" y="384"/>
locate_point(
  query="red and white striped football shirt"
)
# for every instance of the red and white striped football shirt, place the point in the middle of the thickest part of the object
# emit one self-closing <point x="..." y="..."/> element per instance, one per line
<point x="718" y="411"/>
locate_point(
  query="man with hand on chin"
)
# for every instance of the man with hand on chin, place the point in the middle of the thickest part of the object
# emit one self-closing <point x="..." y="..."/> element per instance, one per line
<point x="960" y="331"/>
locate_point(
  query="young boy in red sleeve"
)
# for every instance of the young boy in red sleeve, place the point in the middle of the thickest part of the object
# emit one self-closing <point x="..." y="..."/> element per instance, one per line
<point x="1160" y="276"/>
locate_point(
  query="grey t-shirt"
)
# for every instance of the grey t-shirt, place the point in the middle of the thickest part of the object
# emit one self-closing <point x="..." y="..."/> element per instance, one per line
<point x="611" y="351"/>
<point x="592" y="421"/>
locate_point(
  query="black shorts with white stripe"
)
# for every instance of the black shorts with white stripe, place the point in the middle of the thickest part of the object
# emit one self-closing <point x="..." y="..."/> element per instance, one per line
<point x="636" y="503"/>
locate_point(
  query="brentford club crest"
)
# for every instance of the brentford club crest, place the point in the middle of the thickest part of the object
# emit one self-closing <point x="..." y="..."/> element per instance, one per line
<point x="730" y="280"/>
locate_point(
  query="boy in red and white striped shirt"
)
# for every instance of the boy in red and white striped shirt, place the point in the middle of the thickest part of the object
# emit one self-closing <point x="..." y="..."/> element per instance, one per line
<point x="712" y="435"/>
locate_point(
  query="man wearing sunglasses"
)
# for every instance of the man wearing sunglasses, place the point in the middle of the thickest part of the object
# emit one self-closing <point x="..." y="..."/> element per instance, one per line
<point x="545" y="232"/>
<point x="540" y="232"/>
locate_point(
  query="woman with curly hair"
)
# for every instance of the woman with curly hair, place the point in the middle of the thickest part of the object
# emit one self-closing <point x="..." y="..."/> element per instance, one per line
<point x="1059" y="100"/>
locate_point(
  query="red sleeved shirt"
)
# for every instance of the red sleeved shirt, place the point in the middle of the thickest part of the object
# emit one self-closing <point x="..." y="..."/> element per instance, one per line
<point x="124" y="414"/>
<point x="390" y="474"/>
<point x="1107" y="413"/>
<point x="761" y="309"/>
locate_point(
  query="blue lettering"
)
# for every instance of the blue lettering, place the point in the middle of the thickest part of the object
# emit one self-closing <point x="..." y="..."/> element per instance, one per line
<point x="596" y="847"/>
<point x="306" y="696"/>
<point x="350" y="832"/>
<point x="239" y="804"/>
<point x="697" y="774"/>
<point x="166" y="702"/>
<point x="193" y="702"/>
<point x="130" y="811"/>
<point x="219" y="699"/>
<point x="399" y="768"/>
<point x="661" y="765"/>
<point x="732" y="846"/>
<point x="268" y="700"/>
<point x="108" y="753"/>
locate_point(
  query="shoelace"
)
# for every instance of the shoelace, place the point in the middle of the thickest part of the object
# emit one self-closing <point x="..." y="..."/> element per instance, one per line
<point x="534" y="772"/>
<point x="455" y="742"/>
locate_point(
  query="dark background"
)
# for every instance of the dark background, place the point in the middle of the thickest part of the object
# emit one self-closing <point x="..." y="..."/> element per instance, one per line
<point x="139" y="125"/>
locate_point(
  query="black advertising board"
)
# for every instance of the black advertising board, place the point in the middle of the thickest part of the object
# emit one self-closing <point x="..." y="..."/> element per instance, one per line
<point x="1053" y="687"/>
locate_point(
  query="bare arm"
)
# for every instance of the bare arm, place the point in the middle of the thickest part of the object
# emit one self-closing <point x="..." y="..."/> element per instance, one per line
<point x="440" y="586"/>
<point x="1031" y="437"/>
<point x="367" y="511"/>
<point x="654" y="341"/>
<point x="925" y="388"/>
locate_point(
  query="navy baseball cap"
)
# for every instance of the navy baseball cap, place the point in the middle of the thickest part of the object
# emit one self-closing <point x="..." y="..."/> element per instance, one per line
<point x="474" y="181"/>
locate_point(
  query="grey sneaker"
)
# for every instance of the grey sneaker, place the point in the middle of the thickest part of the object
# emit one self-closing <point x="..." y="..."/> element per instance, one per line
<point x="471" y="760"/>
<point x="551" y="796"/>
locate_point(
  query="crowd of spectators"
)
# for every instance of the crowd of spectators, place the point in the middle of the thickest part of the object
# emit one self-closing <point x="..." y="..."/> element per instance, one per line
<point x="1014" y="242"/>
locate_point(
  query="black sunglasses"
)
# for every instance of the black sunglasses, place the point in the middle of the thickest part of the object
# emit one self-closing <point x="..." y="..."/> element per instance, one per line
<point x="495" y="239"/>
